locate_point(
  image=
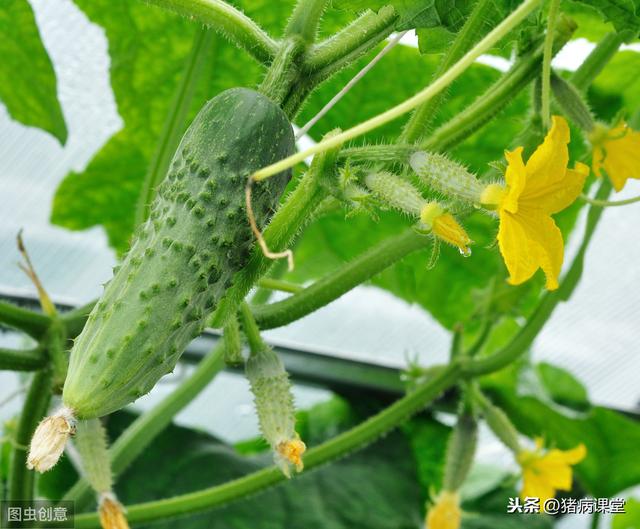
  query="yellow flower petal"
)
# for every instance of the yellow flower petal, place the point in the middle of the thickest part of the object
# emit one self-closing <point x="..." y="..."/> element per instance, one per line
<point x="445" y="512"/>
<point x="618" y="152"/>
<point x="547" y="167"/>
<point x="544" y="474"/>
<point x="530" y="240"/>
<point x="515" y="178"/>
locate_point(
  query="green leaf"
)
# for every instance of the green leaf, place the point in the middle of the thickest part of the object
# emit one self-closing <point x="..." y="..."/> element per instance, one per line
<point x="107" y="191"/>
<point x="611" y="439"/>
<point x="28" y="84"/>
<point x="617" y="88"/>
<point x="630" y="519"/>
<point x="623" y="14"/>
<point x="563" y="387"/>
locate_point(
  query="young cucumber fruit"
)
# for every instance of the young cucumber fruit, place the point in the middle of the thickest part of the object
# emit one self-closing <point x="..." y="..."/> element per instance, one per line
<point x="184" y="257"/>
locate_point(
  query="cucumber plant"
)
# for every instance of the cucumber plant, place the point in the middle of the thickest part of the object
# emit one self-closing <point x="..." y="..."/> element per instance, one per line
<point x="213" y="220"/>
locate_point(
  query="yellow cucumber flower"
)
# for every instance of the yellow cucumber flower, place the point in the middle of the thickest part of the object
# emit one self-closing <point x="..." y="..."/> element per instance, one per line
<point x="445" y="227"/>
<point x="445" y="513"/>
<point x="545" y="472"/>
<point x="617" y="150"/>
<point x="528" y="237"/>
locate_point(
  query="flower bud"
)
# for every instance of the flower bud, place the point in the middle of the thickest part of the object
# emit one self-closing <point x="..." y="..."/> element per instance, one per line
<point x="49" y="440"/>
<point x="274" y="404"/>
<point x="445" y="227"/>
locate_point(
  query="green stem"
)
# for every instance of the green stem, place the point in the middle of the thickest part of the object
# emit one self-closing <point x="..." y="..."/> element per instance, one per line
<point x="35" y="324"/>
<point x="418" y="124"/>
<point x="598" y="59"/>
<point x="175" y="123"/>
<point x="139" y="435"/>
<point x="389" y="153"/>
<point x="493" y="101"/>
<point x="554" y="10"/>
<point x="22" y="360"/>
<point x="331" y="287"/>
<point x="506" y="26"/>
<point x="21" y="480"/>
<point x="609" y="203"/>
<point x="305" y="19"/>
<point x="228" y="21"/>
<point x="279" y="284"/>
<point x="353" y="439"/>
<point x="251" y="329"/>
<point x="595" y="520"/>
<point x="283" y="72"/>
<point x="75" y="319"/>
<point x="525" y="337"/>
<point x="347" y="45"/>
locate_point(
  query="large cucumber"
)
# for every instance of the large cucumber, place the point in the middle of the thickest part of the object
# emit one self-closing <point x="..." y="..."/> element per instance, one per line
<point x="184" y="257"/>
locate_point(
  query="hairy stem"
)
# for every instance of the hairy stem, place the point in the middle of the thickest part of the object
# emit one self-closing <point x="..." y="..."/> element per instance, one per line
<point x="554" y="10"/>
<point x="283" y="72"/>
<point x="350" y="43"/>
<point x="32" y="323"/>
<point x="418" y="124"/>
<point x="229" y="21"/>
<point x="137" y="437"/>
<point x="175" y="123"/>
<point x="21" y="480"/>
<point x="493" y="101"/>
<point x="344" y="279"/>
<point x="305" y="19"/>
<point x="353" y="439"/>
<point x="22" y="360"/>
<point x="424" y="95"/>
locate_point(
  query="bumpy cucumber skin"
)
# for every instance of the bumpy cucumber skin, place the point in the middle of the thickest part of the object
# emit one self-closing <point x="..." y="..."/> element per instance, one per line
<point x="184" y="257"/>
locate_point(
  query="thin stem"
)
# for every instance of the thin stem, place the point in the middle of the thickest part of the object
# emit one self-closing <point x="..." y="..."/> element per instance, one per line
<point x="175" y="123"/>
<point x="331" y="287"/>
<point x="353" y="439"/>
<point x="22" y="360"/>
<point x="395" y="152"/>
<point x="279" y="284"/>
<point x="554" y="10"/>
<point x="493" y="101"/>
<point x="334" y="100"/>
<point x="228" y="21"/>
<point x="251" y="329"/>
<point x="354" y="40"/>
<point x="35" y="324"/>
<point x="430" y="91"/>
<point x="305" y="19"/>
<point x="598" y="59"/>
<point x="137" y="437"/>
<point x="595" y="520"/>
<point x="21" y="480"/>
<point x="283" y="72"/>
<point x="419" y="122"/>
<point x="609" y="203"/>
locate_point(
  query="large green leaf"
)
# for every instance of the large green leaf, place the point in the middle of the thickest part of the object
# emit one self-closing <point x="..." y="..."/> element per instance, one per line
<point x="28" y="84"/>
<point x="611" y="439"/>
<point x="623" y="14"/>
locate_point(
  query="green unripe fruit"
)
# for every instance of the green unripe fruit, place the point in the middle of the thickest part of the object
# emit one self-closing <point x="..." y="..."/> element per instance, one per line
<point x="184" y="257"/>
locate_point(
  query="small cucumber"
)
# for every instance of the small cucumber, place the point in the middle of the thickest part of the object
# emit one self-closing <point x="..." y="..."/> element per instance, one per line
<point x="184" y="257"/>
